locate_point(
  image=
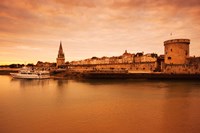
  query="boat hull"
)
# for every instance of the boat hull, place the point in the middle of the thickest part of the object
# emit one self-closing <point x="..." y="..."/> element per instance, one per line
<point x="29" y="76"/>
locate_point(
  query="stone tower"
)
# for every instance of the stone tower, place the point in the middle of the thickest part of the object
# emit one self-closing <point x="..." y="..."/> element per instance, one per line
<point x="176" y="51"/>
<point x="61" y="56"/>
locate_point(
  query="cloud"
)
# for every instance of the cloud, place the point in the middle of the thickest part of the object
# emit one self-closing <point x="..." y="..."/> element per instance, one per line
<point x="27" y="48"/>
<point x="104" y="26"/>
<point x="157" y="9"/>
<point x="77" y="3"/>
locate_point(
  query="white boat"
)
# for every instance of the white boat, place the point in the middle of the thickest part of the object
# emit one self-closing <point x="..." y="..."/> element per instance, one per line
<point x="27" y="73"/>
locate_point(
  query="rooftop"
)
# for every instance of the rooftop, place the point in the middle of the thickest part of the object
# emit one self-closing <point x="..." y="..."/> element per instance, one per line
<point x="186" y="41"/>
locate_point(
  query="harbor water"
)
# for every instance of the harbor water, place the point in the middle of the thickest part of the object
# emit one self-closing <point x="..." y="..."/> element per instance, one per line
<point x="99" y="106"/>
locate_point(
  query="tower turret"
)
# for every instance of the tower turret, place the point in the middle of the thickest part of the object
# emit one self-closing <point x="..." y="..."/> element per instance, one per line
<point x="176" y="51"/>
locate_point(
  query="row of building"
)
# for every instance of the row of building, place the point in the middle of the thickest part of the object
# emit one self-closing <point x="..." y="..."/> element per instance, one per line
<point x="124" y="58"/>
<point x="176" y="59"/>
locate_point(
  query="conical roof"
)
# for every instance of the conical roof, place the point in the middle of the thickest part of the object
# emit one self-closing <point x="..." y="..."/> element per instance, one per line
<point x="60" y="52"/>
<point x="60" y="49"/>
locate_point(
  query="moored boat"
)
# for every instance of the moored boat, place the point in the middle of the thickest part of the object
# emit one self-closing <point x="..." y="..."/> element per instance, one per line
<point x="27" y="73"/>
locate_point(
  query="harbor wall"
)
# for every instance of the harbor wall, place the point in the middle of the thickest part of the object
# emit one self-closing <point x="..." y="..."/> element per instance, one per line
<point x="182" y="69"/>
<point x="137" y="67"/>
<point x="165" y="76"/>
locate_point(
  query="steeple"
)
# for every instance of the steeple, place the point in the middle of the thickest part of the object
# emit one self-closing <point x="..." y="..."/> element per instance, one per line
<point x="61" y="56"/>
<point x="60" y="52"/>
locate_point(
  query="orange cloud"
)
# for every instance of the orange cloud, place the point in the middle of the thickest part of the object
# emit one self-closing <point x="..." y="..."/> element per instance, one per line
<point x="77" y="3"/>
<point x="95" y="27"/>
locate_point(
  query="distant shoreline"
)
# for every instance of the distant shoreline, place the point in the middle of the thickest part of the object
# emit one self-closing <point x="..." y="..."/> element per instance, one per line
<point x="7" y="71"/>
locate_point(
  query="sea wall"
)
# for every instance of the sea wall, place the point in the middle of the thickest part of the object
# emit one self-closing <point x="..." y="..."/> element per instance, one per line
<point x="182" y="69"/>
<point x="147" y="66"/>
<point x="159" y="76"/>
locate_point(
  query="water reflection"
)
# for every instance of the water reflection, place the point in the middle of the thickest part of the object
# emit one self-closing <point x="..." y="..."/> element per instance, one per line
<point x="177" y="107"/>
<point x="111" y="81"/>
<point x="27" y="83"/>
<point x="105" y="105"/>
<point x="61" y="83"/>
<point x="61" y="90"/>
<point x="179" y="89"/>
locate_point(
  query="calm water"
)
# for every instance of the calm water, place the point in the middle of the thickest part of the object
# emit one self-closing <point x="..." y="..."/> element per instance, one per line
<point x="99" y="106"/>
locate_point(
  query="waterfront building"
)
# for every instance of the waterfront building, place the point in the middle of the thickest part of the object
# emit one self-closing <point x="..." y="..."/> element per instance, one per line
<point x="177" y="59"/>
<point x="61" y="57"/>
<point x="176" y="51"/>
<point x="152" y="57"/>
<point x="138" y="56"/>
<point x="45" y="65"/>
<point x="127" y="57"/>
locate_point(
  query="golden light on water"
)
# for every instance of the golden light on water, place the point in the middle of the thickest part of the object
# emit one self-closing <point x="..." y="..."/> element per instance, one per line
<point x="107" y="106"/>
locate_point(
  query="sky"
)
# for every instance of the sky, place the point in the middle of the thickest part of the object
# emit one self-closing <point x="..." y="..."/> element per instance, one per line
<point x="31" y="30"/>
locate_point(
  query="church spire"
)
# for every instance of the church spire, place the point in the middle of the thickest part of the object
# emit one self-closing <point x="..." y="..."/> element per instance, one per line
<point x="60" y="52"/>
<point x="61" y="56"/>
<point x="60" y="49"/>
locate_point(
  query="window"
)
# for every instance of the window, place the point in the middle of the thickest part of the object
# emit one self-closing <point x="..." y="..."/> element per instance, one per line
<point x="171" y="50"/>
<point x="169" y="58"/>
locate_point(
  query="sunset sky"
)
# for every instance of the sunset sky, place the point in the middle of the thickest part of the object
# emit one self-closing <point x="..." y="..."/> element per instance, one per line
<point x="31" y="30"/>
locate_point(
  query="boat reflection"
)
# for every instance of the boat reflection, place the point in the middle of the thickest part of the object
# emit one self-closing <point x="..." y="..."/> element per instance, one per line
<point x="29" y="83"/>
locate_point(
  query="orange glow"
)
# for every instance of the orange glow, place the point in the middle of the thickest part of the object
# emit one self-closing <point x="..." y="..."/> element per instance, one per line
<point x="31" y="30"/>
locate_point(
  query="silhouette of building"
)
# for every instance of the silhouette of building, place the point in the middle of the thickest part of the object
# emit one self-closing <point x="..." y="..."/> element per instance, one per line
<point x="61" y="56"/>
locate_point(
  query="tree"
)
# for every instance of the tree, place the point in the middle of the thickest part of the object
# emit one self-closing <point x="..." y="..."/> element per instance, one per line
<point x="30" y="65"/>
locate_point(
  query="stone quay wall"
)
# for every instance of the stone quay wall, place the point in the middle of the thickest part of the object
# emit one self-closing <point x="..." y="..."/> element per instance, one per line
<point x="133" y="67"/>
<point x="182" y="69"/>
